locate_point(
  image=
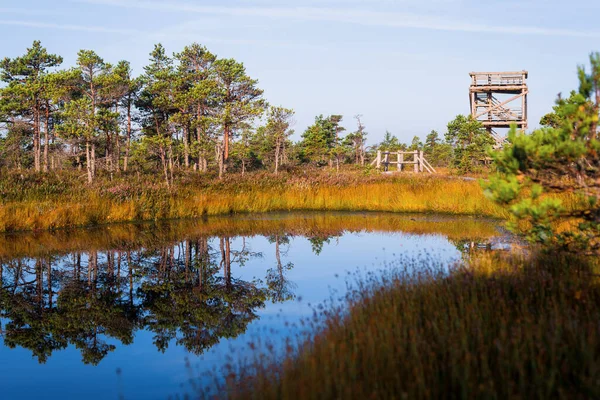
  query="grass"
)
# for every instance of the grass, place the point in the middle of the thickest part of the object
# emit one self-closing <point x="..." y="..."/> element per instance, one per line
<point x="507" y="326"/>
<point x="42" y="202"/>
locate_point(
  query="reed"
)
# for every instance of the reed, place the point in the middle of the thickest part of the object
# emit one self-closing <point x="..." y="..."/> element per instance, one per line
<point x="506" y="326"/>
<point x="62" y="201"/>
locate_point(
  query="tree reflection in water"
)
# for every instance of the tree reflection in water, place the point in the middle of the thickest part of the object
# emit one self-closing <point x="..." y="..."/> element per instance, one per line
<point x="174" y="280"/>
<point x="183" y="293"/>
<point x="281" y="289"/>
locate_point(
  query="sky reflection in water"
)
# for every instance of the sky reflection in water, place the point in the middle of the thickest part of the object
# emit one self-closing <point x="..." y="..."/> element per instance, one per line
<point x="149" y="297"/>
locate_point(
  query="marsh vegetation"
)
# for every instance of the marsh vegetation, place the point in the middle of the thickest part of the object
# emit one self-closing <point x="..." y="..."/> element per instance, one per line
<point x="504" y="326"/>
<point x="450" y="310"/>
<point x="34" y="202"/>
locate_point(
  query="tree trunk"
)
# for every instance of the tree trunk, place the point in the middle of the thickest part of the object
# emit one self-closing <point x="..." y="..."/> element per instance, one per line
<point x="200" y="151"/>
<point x="128" y="145"/>
<point x="39" y="279"/>
<point x="117" y="155"/>
<point x="88" y="161"/>
<point x="107" y="153"/>
<point x="362" y="156"/>
<point x="278" y="258"/>
<point x="117" y="152"/>
<point x="226" y="135"/>
<point x="226" y="261"/>
<point x="186" y="147"/>
<point x="93" y="160"/>
<point x="226" y="143"/>
<point x="46" y="137"/>
<point x="164" y="163"/>
<point x="277" y="156"/>
<point x="220" y="159"/>
<point x="130" y="269"/>
<point x="36" y="137"/>
<point x="199" y="136"/>
<point x="170" y="155"/>
<point x="188" y="258"/>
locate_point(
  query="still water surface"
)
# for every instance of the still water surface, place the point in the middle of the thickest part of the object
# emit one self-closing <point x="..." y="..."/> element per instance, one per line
<point x="136" y="311"/>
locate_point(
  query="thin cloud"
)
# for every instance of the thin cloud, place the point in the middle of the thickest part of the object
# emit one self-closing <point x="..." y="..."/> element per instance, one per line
<point x="68" y="27"/>
<point x="13" y="10"/>
<point x="189" y="31"/>
<point x="352" y="16"/>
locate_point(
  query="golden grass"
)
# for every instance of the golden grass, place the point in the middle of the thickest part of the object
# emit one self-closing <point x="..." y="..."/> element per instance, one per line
<point x="529" y="329"/>
<point x="320" y="192"/>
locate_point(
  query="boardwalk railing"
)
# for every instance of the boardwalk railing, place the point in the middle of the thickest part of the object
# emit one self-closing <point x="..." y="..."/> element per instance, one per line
<point x="386" y="158"/>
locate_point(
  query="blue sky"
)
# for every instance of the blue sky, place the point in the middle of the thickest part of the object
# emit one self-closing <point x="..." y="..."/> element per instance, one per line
<point x="402" y="64"/>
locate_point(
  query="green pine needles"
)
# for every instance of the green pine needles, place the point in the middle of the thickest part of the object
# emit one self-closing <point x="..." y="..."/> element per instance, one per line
<point x="560" y="158"/>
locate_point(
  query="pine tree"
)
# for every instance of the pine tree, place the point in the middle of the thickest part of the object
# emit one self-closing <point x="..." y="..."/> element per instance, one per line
<point x="197" y="99"/>
<point x="536" y="170"/>
<point x="25" y="97"/>
<point x="391" y="143"/>
<point x="157" y="105"/>
<point x="431" y="142"/>
<point x="319" y="140"/>
<point x="416" y="144"/>
<point x="130" y="88"/>
<point x="279" y="120"/>
<point x="356" y="141"/>
<point x="470" y="142"/>
<point x="240" y="102"/>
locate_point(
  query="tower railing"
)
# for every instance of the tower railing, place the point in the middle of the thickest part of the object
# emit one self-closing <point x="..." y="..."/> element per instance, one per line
<point x="499" y="99"/>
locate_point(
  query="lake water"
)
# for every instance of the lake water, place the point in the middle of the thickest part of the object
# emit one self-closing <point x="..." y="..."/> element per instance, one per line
<point x="137" y="311"/>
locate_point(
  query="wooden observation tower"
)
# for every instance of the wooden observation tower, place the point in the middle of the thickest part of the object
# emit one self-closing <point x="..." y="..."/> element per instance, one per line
<point x="498" y="100"/>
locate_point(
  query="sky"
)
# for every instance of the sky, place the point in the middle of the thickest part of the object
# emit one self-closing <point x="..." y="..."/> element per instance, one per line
<point x="402" y="64"/>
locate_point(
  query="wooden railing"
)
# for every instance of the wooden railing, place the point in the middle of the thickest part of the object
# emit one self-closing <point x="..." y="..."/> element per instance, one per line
<point x="498" y="78"/>
<point x="385" y="158"/>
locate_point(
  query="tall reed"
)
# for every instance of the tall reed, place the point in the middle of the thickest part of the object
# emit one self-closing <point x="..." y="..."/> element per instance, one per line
<point x="527" y="328"/>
